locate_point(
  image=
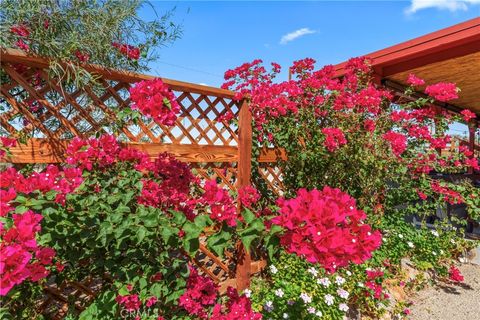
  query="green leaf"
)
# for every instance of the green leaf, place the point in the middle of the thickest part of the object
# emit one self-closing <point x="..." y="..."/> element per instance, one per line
<point x="140" y="234"/>
<point x="219" y="242"/>
<point x="21" y="209"/>
<point x="167" y="232"/>
<point x="248" y="215"/>
<point x="178" y="217"/>
<point x="191" y="245"/>
<point x="192" y="231"/>
<point x="151" y="220"/>
<point x="251" y="233"/>
<point x="202" y="221"/>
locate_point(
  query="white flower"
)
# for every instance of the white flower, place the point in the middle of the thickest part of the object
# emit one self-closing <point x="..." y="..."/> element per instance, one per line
<point x="311" y="310"/>
<point x="328" y="299"/>
<point x="273" y="269"/>
<point x="434" y="253"/>
<point x="343" y="307"/>
<point x="434" y="232"/>
<point x="342" y="293"/>
<point x="247" y="293"/>
<point x="400" y="236"/>
<point x="324" y="281"/>
<point x="319" y="313"/>
<point x="410" y="244"/>
<point x="452" y="241"/>
<point x="313" y="271"/>
<point x="279" y="293"/>
<point x="268" y="306"/>
<point x="339" y="280"/>
<point x="348" y="273"/>
<point x="360" y="284"/>
<point x="305" y="297"/>
<point x="285" y="316"/>
<point x="441" y="251"/>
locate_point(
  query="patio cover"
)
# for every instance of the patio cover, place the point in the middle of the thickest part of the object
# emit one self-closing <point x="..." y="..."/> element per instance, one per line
<point x="448" y="55"/>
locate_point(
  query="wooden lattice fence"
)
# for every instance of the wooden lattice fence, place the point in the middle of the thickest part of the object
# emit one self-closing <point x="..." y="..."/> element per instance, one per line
<point x="37" y="106"/>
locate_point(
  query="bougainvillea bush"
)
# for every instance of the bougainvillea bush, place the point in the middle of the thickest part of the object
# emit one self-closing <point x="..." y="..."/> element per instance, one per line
<point x="354" y="135"/>
<point x="385" y="151"/>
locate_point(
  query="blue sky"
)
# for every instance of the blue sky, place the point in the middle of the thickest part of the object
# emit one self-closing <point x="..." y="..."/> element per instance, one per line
<point x="219" y="35"/>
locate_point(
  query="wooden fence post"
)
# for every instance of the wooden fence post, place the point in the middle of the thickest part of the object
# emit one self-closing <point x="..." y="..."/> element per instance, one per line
<point x="472" y="128"/>
<point x="244" y="166"/>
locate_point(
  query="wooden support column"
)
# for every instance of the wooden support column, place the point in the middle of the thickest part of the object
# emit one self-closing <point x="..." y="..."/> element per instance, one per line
<point x="244" y="167"/>
<point x="472" y="127"/>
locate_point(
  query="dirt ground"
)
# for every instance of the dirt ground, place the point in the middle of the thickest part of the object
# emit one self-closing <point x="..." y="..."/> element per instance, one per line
<point x="450" y="302"/>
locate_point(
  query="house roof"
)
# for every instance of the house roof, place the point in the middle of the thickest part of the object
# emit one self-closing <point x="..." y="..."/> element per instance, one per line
<point x="448" y="55"/>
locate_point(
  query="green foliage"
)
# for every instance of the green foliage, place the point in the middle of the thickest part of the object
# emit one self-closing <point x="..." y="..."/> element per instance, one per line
<point x="60" y="29"/>
<point x="283" y="296"/>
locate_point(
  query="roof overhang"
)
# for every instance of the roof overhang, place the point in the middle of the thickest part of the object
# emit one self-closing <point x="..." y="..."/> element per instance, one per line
<point x="448" y="55"/>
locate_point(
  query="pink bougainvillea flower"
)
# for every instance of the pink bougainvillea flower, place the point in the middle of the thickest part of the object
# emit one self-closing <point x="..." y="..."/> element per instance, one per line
<point x="150" y="302"/>
<point x="200" y="294"/>
<point x="449" y="195"/>
<point x="369" y="125"/>
<point x="226" y="117"/>
<point x="468" y="115"/>
<point x="442" y="91"/>
<point x="454" y="274"/>
<point x="154" y="99"/>
<point x="127" y="50"/>
<point x="221" y="204"/>
<point x="398" y="142"/>
<point x="334" y="138"/>
<point x="325" y="227"/>
<point x="20" y="30"/>
<point x="130" y="302"/>
<point x="22" y="45"/>
<point x="248" y="196"/>
<point x="422" y="195"/>
<point x="82" y="56"/>
<point x="8" y="142"/>
<point x="413" y="80"/>
<point x="237" y="308"/>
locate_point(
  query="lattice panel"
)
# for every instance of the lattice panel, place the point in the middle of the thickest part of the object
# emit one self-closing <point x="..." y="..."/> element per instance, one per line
<point x="35" y="106"/>
<point x="56" y="302"/>
<point x="272" y="176"/>
<point x="224" y="173"/>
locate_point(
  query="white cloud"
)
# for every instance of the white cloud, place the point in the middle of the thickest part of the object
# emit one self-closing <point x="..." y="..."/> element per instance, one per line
<point x="295" y="34"/>
<point x="452" y="5"/>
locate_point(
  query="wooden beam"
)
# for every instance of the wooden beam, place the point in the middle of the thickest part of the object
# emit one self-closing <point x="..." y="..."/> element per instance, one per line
<point x="272" y="155"/>
<point x="47" y="151"/>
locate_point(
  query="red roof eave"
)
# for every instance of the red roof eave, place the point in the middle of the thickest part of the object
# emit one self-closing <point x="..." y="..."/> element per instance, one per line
<point x="455" y="41"/>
